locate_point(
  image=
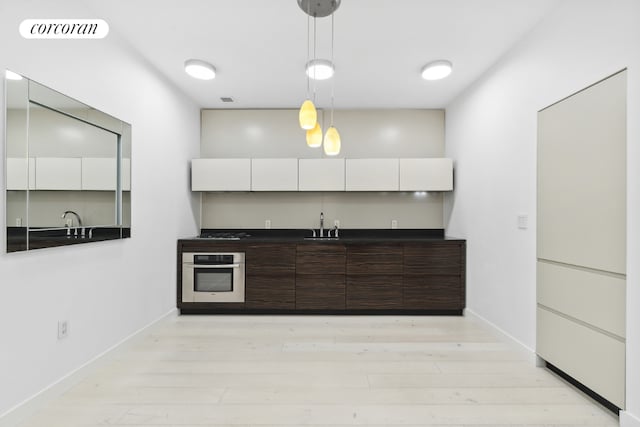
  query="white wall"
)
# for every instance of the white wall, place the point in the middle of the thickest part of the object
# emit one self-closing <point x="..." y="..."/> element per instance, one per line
<point x="105" y="290"/>
<point x="491" y="134"/>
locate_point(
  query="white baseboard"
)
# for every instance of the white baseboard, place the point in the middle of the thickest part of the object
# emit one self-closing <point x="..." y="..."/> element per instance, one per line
<point x="526" y="351"/>
<point x="628" y="420"/>
<point x="29" y="406"/>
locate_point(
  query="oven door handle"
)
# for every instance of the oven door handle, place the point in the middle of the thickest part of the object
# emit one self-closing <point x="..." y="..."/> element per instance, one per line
<point x="191" y="265"/>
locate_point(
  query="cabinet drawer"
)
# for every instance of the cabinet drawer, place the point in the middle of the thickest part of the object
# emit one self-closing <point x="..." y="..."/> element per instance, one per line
<point x="374" y="259"/>
<point x="320" y="259"/>
<point x="433" y="259"/>
<point x="270" y="291"/>
<point x="432" y="292"/>
<point x="383" y="292"/>
<point x="277" y="258"/>
<point x="591" y="357"/>
<point x="320" y="292"/>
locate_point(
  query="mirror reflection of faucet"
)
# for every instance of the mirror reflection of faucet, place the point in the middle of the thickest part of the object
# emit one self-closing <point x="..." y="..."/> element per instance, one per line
<point x="69" y="224"/>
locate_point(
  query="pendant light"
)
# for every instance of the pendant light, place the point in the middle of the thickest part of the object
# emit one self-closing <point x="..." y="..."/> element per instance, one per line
<point x="331" y="142"/>
<point x="332" y="137"/>
<point x="308" y="116"/>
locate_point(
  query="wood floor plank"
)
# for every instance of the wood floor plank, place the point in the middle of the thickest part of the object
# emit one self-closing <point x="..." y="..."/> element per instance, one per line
<point x="320" y="371"/>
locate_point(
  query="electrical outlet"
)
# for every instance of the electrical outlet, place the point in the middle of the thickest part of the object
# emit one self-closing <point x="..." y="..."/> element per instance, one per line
<point x="18" y="222"/>
<point x="394" y="224"/>
<point x="69" y="222"/>
<point x="63" y="329"/>
<point x="336" y="223"/>
<point x="267" y="224"/>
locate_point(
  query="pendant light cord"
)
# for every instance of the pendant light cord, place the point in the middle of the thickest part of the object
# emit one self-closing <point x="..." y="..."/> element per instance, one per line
<point x="308" y="42"/>
<point x="314" y="57"/>
<point x="333" y="83"/>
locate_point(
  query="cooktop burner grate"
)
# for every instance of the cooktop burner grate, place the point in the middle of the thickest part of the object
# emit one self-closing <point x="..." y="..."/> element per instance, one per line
<point x="224" y="235"/>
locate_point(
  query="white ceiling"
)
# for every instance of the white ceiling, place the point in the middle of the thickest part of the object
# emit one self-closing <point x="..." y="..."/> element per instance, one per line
<point x="259" y="47"/>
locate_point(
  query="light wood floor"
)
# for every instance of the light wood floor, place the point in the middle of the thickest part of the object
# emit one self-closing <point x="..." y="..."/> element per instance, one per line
<point x="320" y="371"/>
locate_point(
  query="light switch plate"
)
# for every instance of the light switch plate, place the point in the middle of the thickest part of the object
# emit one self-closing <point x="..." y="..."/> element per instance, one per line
<point x="523" y="221"/>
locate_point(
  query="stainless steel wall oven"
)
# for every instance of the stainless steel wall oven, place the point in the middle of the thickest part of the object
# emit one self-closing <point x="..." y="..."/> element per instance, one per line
<point x="213" y="277"/>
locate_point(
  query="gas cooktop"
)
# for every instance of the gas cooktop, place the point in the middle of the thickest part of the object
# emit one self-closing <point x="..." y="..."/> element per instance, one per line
<point x="224" y="235"/>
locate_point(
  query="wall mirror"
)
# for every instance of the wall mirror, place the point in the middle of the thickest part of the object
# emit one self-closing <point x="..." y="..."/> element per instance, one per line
<point x="68" y="169"/>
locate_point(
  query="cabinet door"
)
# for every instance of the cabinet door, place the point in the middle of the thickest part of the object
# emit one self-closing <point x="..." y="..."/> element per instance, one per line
<point x="435" y="258"/>
<point x="270" y="276"/>
<point x="432" y="292"/>
<point x="57" y="173"/>
<point x="270" y="291"/>
<point x="379" y="292"/>
<point x="320" y="259"/>
<point x="321" y="174"/>
<point x="372" y="174"/>
<point x="320" y="291"/>
<point x="374" y="259"/>
<point x="21" y="171"/>
<point x="426" y="174"/>
<point x="221" y="175"/>
<point x="99" y="173"/>
<point x="274" y="174"/>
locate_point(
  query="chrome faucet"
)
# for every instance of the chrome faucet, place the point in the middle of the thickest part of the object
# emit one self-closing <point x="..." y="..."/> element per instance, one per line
<point x="64" y="216"/>
<point x="321" y="224"/>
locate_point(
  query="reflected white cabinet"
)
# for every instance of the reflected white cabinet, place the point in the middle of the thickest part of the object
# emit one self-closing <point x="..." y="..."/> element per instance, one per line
<point x="321" y="175"/>
<point x="274" y="174"/>
<point x="372" y="175"/>
<point x="434" y="174"/>
<point x="221" y="175"/>
<point x="99" y="173"/>
<point x="17" y="171"/>
<point x="58" y="173"/>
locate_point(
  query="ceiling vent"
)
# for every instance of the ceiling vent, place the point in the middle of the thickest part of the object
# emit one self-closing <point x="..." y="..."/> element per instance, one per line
<point x="226" y="99"/>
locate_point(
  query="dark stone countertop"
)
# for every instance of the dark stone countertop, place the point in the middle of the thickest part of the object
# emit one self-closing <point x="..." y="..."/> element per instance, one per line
<point x="345" y="236"/>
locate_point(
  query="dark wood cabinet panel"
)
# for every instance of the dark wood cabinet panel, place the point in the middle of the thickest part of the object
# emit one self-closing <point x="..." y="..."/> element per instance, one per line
<point x="270" y="258"/>
<point x="383" y="292"/>
<point x="374" y="259"/>
<point x="320" y="292"/>
<point x="433" y="292"/>
<point x="320" y="259"/>
<point x="374" y="277"/>
<point x="434" y="258"/>
<point x="270" y="291"/>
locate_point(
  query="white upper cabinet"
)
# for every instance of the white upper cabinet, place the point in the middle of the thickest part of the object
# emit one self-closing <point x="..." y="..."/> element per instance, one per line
<point x="274" y="174"/>
<point x="18" y="170"/>
<point x="99" y="173"/>
<point x="221" y="175"/>
<point x="57" y="173"/>
<point x="372" y="174"/>
<point x="321" y="175"/>
<point x="426" y="174"/>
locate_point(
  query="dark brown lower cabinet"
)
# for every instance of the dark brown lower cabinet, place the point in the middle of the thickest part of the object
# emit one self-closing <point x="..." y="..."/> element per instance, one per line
<point x="270" y="280"/>
<point x="374" y="292"/>
<point x="432" y="292"/>
<point x="288" y="277"/>
<point x="320" y="292"/>
<point x="270" y="291"/>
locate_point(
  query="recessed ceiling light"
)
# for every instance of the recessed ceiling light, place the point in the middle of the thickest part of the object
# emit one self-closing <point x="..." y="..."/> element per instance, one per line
<point x="199" y="69"/>
<point x="320" y="69"/>
<point x="12" y="76"/>
<point x="437" y="70"/>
